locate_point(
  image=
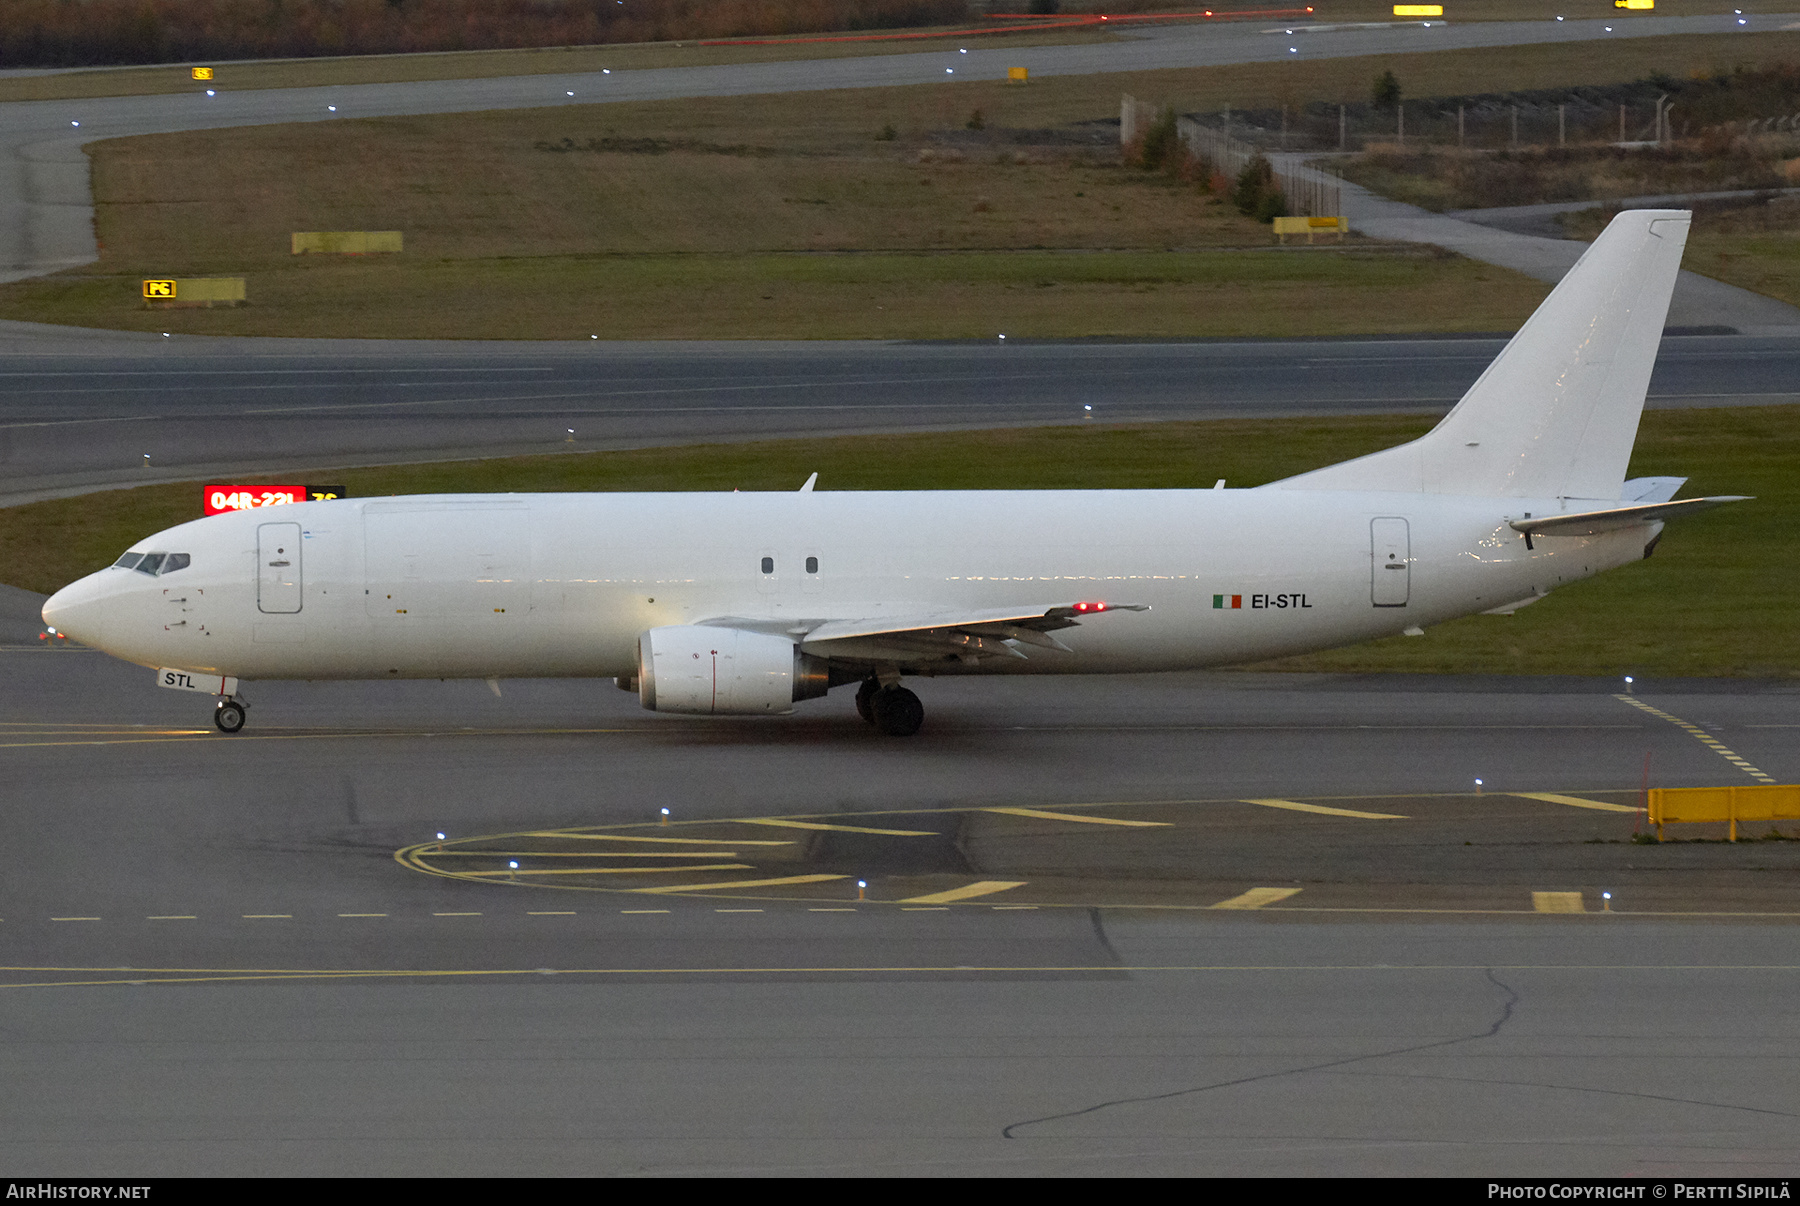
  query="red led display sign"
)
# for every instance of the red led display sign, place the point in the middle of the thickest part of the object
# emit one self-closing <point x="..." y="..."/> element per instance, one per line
<point x="218" y="499"/>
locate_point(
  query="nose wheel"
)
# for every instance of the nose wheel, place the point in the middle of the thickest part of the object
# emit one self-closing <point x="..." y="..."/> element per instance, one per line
<point x="229" y="716"/>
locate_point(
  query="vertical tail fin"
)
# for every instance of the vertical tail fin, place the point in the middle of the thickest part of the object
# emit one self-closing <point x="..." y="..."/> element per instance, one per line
<point x="1556" y="413"/>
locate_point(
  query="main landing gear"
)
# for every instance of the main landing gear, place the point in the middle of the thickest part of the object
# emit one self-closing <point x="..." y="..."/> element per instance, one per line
<point x="894" y="710"/>
<point x="229" y="715"/>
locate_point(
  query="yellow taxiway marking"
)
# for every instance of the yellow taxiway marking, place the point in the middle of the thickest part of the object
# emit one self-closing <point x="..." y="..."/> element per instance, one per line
<point x="267" y="916"/>
<point x="135" y="740"/>
<point x="1256" y="898"/>
<point x="362" y="914"/>
<point x="1557" y="902"/>
<point x="981" y="887"/>
<point x="737" y="910"/>
<point x="620" y="837"/>
<point x="1550" y="797"/>
<point x="643" y="910"/>
<point x="74" y="919"/>
<point x="1701" y="735"/>
<point x="831" y="910"/>
<point x="1296" y="806"/>
<point x="839" y="828"/>
<point x="1041" y="815"/>
<point x="551" y="913"/>
<point x="581" y="853"/>
<point x="505" y="872"/>
<point x="10" y="731"/>
<point x="456" y="914"/>
<point x="742" y="883"/>
<point x="173" y="917"/>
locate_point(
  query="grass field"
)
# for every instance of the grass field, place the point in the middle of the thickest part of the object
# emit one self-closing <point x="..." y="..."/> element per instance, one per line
<point x="874" y="296"/>
<point x="1717" y="599"/>
<point x="1442" y="179"/>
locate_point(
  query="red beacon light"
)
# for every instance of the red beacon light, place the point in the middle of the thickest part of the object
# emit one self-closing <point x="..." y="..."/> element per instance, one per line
<point x="1090" y="607"/>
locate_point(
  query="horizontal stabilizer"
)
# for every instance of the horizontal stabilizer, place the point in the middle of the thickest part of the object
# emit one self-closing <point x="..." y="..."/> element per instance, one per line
<point x="1611" y="519"/>
<point x="1651" y="489"/>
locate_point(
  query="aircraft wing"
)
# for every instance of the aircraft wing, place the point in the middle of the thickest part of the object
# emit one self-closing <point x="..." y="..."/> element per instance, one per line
<point x="997" y="631"/>
<point x="1592" y="523"/>
<point x="962" y="633"/>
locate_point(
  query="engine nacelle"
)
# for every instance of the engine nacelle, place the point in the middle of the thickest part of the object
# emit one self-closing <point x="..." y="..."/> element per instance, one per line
<point x="725" y="671"/>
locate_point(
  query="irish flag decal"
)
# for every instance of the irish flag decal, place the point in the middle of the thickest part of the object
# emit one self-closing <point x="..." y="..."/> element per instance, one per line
<point x="1228" y="601"/>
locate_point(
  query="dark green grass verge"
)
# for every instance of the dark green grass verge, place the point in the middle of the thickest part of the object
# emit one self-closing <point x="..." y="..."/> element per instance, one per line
<point x="1320" y="291"/>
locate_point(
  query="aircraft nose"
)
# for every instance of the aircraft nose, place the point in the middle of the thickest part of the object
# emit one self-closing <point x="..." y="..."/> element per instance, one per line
<point x="76" y="611"/>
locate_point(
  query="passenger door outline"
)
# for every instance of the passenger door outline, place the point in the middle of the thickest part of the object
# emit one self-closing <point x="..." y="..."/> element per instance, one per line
<point x="278" y="568"/>
<point x="1390" y="561"/>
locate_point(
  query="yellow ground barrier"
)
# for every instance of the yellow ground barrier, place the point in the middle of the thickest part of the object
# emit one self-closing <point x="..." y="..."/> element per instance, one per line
<point x="345" y="242"/>
<point x="1684" y="805"/>
<point x="1309" y="227"/>
<point x="205" y="291"/>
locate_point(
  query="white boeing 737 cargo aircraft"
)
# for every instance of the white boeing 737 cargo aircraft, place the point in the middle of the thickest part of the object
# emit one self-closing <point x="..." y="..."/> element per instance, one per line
<point x="744" y="604"/>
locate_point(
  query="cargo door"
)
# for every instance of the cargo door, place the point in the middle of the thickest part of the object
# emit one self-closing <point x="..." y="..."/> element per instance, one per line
<point x="278" y="568"/>
<point x="1390" y="555"/>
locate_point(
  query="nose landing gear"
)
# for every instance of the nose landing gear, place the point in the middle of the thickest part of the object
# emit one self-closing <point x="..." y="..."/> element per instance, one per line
<point x="229" y="715"/>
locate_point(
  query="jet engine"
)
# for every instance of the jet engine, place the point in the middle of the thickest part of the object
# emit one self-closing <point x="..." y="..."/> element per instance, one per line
<point x="725" y="671"/>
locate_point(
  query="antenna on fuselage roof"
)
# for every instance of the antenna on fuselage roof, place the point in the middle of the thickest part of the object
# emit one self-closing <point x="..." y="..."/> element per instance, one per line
<point x="1556" y="413"/>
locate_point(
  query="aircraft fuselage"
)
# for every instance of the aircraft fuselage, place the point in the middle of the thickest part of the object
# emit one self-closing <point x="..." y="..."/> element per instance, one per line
<point x="544" y="585"/>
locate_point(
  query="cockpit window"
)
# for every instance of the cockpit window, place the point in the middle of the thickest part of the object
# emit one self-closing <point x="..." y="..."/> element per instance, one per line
<point x="154" y="564"/>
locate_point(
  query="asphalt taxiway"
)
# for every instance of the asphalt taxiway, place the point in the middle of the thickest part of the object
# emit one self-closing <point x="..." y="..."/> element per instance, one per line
<point x="1310" y="947"/>
<point x="80" y="410"/>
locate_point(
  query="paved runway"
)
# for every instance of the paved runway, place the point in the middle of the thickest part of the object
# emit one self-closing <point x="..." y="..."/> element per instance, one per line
<point x="79" y="413"/>
<point x="215" y="964"/>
